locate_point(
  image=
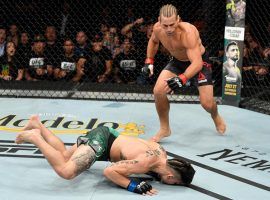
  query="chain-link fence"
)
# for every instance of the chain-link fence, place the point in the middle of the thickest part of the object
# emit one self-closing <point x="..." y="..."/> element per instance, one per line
<point x="82" y="49"/>
<point x="256" y="60"/>
<point x="95" y="50"/>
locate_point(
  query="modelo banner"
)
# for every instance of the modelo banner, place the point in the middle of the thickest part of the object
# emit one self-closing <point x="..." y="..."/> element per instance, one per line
<point x="233" y="51"/>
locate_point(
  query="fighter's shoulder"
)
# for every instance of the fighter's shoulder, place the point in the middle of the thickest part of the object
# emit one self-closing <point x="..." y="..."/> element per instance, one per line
<point x="156" y="27"/>
<point x="187" y="27"/>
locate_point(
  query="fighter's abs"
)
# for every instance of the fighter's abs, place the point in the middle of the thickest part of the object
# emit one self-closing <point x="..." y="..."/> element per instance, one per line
<point x="179" y="54"/>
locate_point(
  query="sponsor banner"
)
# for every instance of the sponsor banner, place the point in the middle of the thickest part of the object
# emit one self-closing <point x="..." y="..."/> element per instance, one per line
<point x="234" y="33"/>
<point x="232" y="76"/>
<point x="233" y="52"/>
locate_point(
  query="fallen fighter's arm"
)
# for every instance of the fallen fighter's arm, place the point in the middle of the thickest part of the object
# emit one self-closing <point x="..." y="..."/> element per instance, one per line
<point x="118" y="173"/>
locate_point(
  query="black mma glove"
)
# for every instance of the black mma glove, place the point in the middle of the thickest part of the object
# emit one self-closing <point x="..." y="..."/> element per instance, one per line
<point x="175" y="83"/>
<point x="139" y="188"/>
<point x="148" y="68"/>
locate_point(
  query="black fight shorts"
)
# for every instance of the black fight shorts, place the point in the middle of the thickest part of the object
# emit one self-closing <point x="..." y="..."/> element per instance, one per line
<point x="204" y="77"/>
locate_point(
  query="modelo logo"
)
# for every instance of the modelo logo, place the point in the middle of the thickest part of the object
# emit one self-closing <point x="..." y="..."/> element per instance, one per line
<point x="75" y="126"/>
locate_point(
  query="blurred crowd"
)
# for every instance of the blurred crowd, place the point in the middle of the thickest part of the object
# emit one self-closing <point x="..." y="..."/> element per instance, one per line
<point x="113" y="52"/>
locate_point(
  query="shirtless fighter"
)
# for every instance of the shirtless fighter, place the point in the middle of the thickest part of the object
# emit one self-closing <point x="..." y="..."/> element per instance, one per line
<point x="129" y="155"/>
<point x="183" y="42"/>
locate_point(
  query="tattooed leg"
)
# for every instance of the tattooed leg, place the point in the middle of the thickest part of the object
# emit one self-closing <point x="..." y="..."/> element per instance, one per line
<point x="82" y="159"/>
<point x="53" y="156"/>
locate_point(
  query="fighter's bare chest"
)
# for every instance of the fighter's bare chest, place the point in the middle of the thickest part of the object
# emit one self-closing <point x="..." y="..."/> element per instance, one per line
<point x="173" y="46"/>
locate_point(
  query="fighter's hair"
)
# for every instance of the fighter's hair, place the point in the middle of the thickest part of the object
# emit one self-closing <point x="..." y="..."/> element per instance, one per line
<point x="230" y="44"/>
<point x="168" y="10"/>
<point x="183" y="169"/>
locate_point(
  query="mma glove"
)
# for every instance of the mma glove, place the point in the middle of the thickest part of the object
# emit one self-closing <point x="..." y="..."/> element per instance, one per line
<point x="139" y="188"/>
<point x="175" y="83"/>
<point x="148" y="68"/>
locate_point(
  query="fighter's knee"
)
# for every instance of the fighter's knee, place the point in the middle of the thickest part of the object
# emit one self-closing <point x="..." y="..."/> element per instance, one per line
<point x="68" y="175"/>
<point x="158" y="90"/>
<point x="207" y="105"/>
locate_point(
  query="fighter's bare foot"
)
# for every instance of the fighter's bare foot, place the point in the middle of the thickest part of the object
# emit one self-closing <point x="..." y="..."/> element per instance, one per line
<point x="27" y="136"/>
<point x="33" y="123"/>
<point x="220" y="124"/>
<point x="163" y="132"/>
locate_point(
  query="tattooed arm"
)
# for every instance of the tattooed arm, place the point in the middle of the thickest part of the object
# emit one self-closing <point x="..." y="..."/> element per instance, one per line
<point x="118" y="172"/>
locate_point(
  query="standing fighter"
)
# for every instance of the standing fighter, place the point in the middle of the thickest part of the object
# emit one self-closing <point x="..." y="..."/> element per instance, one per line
<point x="183" y="42"/>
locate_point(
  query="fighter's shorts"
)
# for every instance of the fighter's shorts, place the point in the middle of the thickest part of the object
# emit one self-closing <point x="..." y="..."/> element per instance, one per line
<point x="204" y="77"/>
<point x="100" y="140"/>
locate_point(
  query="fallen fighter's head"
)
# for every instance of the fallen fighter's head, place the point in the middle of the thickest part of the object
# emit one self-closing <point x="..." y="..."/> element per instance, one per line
<point x="181" y="173"/>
